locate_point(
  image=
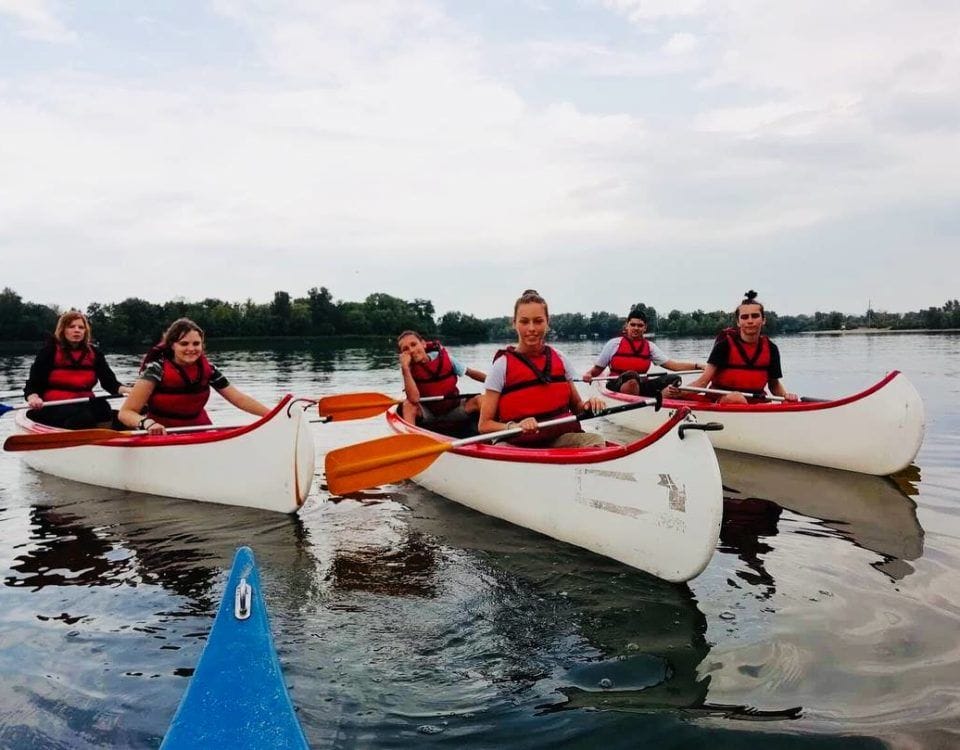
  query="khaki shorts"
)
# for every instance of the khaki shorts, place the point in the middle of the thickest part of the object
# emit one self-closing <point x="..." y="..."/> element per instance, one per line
<point x="579" y="440"/>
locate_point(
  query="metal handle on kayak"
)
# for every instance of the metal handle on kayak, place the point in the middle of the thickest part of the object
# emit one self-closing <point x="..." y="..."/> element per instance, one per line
<point x="706" y="427"/>
<point x="242" y="600"/>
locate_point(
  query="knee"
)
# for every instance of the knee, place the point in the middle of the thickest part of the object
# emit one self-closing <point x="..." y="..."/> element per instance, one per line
<point x="630" y="387"/>
<point x="733" y="398"/>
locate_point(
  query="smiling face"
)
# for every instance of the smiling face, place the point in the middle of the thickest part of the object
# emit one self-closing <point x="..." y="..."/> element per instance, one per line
<point x="749" y="321"/>
<point x="635" y="328"/>
<point x="188" y="348"/>
<point x="531" y="324"/>
<point x="414" y="346"/>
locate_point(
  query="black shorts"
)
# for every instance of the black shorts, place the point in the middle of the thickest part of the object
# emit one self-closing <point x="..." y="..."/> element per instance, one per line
<point x="650" y="385"/>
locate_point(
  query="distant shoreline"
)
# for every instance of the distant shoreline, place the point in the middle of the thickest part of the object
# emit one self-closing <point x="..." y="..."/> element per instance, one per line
<point x="875" y="331"/>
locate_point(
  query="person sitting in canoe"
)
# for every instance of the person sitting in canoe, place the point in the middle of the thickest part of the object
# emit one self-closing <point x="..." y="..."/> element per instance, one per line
<point x="743" y="359"/>
<point x="630" y="355"/>
<point x="174" y="384"/>
<point x="533" y="382"/>
<point x="431" y="372"/>
<point x="69" y="367"/>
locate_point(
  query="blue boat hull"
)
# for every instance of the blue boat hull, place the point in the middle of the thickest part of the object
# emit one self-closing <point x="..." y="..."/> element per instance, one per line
<point x="237" y="697"/>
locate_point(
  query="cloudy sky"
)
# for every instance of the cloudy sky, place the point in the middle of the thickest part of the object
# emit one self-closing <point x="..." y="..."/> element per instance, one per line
<point x="675" y="152"/>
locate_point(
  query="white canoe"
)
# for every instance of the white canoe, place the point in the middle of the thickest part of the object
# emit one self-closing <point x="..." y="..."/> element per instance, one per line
<point x="655" y="504"/>
<point x="268" y="464"/>
<point x="877" y="431"/>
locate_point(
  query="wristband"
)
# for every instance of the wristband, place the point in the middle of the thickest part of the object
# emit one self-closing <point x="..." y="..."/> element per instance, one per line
<point x="143" y="422"/>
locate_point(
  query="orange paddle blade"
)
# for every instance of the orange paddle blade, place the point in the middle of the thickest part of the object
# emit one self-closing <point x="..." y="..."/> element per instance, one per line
<point x="381" y="461"/>
<point x="354" y="405"/>
<point x="65" y="439"/>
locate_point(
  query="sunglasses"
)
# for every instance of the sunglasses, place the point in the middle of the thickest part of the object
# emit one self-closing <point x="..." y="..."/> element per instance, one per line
<point x="748" y="316"/>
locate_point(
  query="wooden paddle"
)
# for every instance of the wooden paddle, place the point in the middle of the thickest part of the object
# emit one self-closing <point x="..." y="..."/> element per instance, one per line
<point x="398" y="457"/>
<point x="74" y="438"/>
<point x="748" y="394"/>
<point x="4" y="408"/>
<point x="362" y="405"/>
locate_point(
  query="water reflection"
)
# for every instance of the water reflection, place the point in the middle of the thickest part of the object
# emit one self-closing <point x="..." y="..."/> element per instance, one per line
<point x="875" y="513"/>
<point x="89" y="536"/>
<point x="646" y="637"/>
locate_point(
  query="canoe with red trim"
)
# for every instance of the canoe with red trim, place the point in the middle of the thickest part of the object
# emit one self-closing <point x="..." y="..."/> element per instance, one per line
<point x="876" y="431"/>
<point x="654" y="504"/>
<point x="266" y="464"/>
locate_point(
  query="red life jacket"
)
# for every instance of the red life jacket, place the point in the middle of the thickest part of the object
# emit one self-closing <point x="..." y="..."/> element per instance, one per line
<point x="631" y="355"/>
<point x="535" y="387"/>
<point x="73" y="374"/>
<point x="747" y="365"/>
<point x="178" y="400"/>
<point x="436" y="377"/>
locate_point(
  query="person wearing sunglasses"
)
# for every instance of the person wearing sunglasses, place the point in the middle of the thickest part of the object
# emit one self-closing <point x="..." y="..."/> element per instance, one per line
<point x="743" y="359"/>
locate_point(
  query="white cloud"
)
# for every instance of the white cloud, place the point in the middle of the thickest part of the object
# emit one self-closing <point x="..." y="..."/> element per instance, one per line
<point x="680" y="44"/>
<point x="35" y="19"/>
<point x="388" y="137"/>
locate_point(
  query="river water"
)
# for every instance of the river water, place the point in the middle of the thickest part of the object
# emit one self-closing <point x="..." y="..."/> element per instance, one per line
<point x="828" y="617"/>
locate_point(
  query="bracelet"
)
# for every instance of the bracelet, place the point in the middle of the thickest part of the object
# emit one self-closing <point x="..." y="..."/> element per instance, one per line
<point x="142" y="424"/>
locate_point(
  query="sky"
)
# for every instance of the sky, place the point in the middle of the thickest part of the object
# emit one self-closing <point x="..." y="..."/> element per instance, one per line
<point x="603" y="152"/>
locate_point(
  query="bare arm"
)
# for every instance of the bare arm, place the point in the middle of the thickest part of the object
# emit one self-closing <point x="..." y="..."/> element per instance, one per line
<point x="672" y="364"/>
<point x="592" y="373"/>
<point x="578" y="405"/>
<point x="709" y="372"/>
<point x="479" y="375"/>
<point x="777" y="388"/>
<point x="242" y="401"/>
<point x="135" y="403"/>
<point x="488" y="412"/>
<point x="409" y="384"/>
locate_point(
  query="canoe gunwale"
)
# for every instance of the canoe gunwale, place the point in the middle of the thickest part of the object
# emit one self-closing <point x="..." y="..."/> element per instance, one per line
<point x="761" y="408"/>
<point x="512" y="453"/>
<point x="213" y="435"/>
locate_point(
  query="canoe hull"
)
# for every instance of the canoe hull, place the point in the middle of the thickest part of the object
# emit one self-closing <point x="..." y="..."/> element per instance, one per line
<point x="237" y="697"/>
<point x="268" y="464"/>
<point x="877" y="431"/>
<point x="655" y="504"/>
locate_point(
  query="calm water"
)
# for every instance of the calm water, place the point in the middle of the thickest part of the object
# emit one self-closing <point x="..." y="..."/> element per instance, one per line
<point x="828" y="617"/>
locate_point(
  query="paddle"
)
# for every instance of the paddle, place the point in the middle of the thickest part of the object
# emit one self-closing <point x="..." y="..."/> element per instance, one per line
<point x="644" y="376"/>
<point x="721" y="392"/>
<point x="4" y="408"/>
<point x="74" y="438"/>
<point x="398" y="457"/>
<point x="362" y="405"/>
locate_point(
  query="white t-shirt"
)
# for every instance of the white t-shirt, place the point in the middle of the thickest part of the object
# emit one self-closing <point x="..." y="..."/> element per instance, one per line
<point x="610" y="348"/>
<point x="498" y="371"/>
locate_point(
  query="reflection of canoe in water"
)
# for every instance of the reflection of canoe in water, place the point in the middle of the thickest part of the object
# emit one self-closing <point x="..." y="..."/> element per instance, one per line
<point x="267" y="464"/>
<point x="237" y="697"/>
<point x="645" y="639"/>
<point x="877" y="431"/>
<point x="81" y="535"/>
<point x="875" y="513"/>
<point x="652" y="630"/>
<point x="654" y="503"/>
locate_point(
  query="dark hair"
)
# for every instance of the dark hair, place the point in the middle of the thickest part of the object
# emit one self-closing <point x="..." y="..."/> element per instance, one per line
<point x="176" y="331"/>
<point x="403" y="335"/>
<point x="750" y="298"/>
<point x="636" y="312"/>
<point x="65" y="320"/>
<point x="530" y="295"/>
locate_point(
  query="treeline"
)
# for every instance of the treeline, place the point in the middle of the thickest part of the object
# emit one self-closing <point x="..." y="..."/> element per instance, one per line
<point x="136" y="322"/>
